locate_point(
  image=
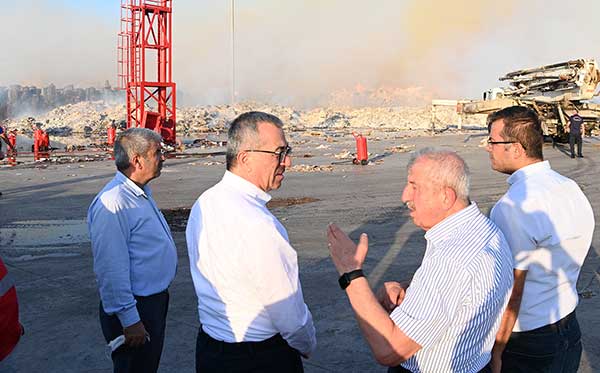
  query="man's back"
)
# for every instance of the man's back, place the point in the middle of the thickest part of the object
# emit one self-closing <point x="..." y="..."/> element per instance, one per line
<point x="575" y="123"/>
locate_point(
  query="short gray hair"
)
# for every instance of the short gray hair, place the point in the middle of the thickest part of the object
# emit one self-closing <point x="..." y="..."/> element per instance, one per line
<point x="448" y="170"/>
<point x="244" y="129"/>
<point x="132" y="142"/>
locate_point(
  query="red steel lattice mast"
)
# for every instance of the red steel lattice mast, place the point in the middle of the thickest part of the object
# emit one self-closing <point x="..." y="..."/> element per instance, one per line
<point x="151" y="95"/>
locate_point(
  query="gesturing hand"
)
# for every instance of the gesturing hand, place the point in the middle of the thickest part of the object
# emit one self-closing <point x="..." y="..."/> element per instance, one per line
<point x="345" y="254"/>
<point x="390" y="295"/>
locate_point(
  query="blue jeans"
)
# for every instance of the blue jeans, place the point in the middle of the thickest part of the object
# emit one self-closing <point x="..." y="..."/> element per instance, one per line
<point x="554" y="348"/>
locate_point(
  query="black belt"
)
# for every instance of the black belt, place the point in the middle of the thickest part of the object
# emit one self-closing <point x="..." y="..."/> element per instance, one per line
<point x="160" y="293"/>
<point x="241" y="347"/>
<point x="560" y="324"/>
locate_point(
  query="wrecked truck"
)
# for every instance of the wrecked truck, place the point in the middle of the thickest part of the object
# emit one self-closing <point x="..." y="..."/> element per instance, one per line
<point x="554" y="91"/>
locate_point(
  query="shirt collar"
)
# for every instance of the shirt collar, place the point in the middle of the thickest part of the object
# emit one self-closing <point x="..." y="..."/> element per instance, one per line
<point x="441" y="230"/>
<point x="524" y="172"/>
<point x="246" y="187"/>
<point x="120" y="177"/>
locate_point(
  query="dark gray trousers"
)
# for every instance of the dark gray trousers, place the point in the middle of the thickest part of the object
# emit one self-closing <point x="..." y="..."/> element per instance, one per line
<point x="575" y="139"/>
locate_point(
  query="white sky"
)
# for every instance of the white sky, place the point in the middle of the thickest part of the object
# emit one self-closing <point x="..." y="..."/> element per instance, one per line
<point x="296" y="52"/>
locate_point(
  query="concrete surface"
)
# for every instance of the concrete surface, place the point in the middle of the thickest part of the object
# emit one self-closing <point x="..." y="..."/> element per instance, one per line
<point x="43" y="240"/>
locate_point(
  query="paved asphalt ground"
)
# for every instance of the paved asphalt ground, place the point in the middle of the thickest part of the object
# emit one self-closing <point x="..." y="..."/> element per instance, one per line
<point x="43" y="240"/>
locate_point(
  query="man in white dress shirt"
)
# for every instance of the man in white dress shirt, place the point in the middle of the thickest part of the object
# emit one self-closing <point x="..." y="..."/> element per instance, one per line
<point x="548" y="223"/>
<point x="250" y="304"/>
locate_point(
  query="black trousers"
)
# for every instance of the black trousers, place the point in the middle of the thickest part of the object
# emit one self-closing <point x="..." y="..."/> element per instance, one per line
<point x="575" y="139"/>
<point x="153" y="313"/>
<point x="271" y="355"/>
<point x="554" y="348"/>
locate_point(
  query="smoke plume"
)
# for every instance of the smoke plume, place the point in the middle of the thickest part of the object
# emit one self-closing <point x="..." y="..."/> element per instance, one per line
<point x="308" y="52"/>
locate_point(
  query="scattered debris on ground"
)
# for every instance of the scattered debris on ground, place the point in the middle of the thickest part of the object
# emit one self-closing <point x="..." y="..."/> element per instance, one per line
<point x="402" y="148"/>
<point x="310" y="168"/>
<point x="177" y="217"/>
<point x="286" y="202"/>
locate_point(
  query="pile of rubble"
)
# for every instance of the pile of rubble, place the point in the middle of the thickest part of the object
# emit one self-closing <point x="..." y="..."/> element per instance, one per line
<point x="86" y="121"/>
<point x="82" y="119"/>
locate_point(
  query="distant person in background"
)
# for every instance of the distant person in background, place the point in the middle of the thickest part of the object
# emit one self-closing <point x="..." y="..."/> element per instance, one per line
<point x="576" y="130"/>
<point x="10" y="327"/>
<point x="4" y="137"/>
<point x="135" y="258"/>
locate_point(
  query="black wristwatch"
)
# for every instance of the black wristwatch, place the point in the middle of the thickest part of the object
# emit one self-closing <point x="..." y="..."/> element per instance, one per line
<point x="347" y="277"/>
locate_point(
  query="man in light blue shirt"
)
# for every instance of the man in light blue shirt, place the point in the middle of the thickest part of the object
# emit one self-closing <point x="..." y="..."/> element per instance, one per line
<point x="135" y="258"/>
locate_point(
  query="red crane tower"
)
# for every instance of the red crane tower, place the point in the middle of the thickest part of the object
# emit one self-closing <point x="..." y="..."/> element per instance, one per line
<point x="144" y="65"/>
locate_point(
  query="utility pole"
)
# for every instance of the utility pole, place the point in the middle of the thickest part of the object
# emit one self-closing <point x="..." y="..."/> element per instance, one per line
<point x="232" y="8"/>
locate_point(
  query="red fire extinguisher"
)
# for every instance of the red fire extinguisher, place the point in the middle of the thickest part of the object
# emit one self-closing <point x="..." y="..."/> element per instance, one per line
<point x="111" y="133"/>
<point x="12" y="139"/>
<point x="362" y="155"/>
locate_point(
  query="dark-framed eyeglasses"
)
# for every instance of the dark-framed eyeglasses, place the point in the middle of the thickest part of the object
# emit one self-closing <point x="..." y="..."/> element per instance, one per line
<point x="280" y="154"/>
<point x="491" y="142"/>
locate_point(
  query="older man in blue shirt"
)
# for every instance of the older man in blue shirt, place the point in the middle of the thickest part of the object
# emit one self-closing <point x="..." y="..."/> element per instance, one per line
<point x="135" y="258"/>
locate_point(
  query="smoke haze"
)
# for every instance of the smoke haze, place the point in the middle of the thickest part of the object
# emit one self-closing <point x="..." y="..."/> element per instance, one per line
<point x="300" y="52"/>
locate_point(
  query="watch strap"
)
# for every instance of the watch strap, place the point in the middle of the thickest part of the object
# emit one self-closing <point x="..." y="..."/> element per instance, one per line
<point x="347" y="277"/>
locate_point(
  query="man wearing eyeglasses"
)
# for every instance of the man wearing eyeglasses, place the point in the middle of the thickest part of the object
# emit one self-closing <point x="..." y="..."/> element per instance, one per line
<point x="250" y="304"/>
<point x="548" y="223"/>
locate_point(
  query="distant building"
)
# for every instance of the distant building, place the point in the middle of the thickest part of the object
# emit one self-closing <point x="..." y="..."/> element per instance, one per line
<point x="17" y="100"/>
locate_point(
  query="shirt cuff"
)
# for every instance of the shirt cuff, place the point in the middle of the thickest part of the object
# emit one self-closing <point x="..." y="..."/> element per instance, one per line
<point x="422" y="331"/>
<point x="304" y="339"/>
<point x="128" y="316"/>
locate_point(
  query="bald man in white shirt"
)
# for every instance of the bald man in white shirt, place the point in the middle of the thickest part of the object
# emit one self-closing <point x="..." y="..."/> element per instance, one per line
<point x="250" y="304"/>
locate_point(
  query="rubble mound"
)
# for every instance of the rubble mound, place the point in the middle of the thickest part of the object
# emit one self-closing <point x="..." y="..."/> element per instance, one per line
<point x="86" y="121"/>
<point x="80" y="119"/>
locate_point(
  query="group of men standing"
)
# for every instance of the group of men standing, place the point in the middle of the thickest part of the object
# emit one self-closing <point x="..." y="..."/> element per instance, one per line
<point x="491" y="294"/>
